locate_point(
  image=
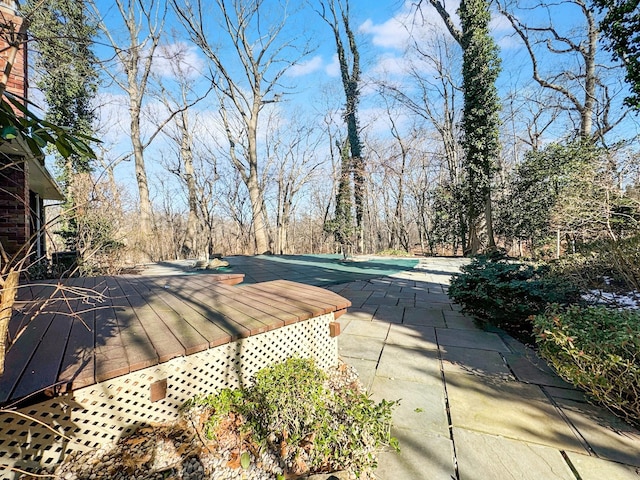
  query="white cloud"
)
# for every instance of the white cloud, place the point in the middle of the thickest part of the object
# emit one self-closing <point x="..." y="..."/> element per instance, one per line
<point x="333" y="68"/>
<point x="305" y="68"/>
<point x="178" y="59"/>
<point x="391" y="65"/>
<point x="503" y="32"/>
<point x="406" y="27"/>
<point x="391" y="34"/>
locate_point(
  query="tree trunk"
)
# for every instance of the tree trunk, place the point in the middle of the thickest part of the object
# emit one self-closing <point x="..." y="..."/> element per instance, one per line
<point x="190" y="246"/>
<point x="488" y="217"/>
<point x="141" y="179"/>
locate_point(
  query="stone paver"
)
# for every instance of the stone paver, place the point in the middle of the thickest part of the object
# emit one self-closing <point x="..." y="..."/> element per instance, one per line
<point x="566" y="394"/>
<point x="413" y="336"/>
<point x="388" y="313"/>
<point x="488" y="457"/>
<point x="471" y="360"/>
<point x="471" y="339"/>
<point x="366" y="370"/>
<point x="593" y="468"/>
<point x="429" y="317"/>
<point x="532" y="369"/>
<point x="416" y="365"/>
<point x="425" y="456"/>
<point x="421" y="407"/>
<point x="358" y="346"/>
<point x="609" y="437"/>
<point x="458" y="320"/>
<point x="510" y="409"/>
<point x="367" y="329"/>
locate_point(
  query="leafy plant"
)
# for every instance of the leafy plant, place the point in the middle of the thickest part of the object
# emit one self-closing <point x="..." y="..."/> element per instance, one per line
<point x="312" y="427"/>
<point x="38" y="133"/>
<point x="598" y="350"/>
<point x="505" y="293"/>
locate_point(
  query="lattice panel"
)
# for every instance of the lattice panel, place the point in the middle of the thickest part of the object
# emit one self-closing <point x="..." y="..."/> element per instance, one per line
<point x="102" y="413"/>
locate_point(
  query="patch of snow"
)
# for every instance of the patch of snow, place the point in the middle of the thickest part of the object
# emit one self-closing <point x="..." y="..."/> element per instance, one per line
<point x="629" y="300"/>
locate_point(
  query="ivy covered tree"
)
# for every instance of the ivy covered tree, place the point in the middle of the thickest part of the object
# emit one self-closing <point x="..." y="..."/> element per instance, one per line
<point x="341" y="225"/>
<point x="66" y="74"/>
<point x="621" y="26"/>
<point x="349" y="60"/>
<point x="481" y="122"/>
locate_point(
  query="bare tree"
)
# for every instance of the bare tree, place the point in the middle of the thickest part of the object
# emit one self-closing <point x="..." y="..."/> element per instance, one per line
<point x="293" y="148"/>
<point x="182" y="100"/>
<point x="263" y="57"/>
<point x="338" y="19"/>
<point x="581" y="87"/>
<point x="435" y="100"/>
<point x="144" y="24"/>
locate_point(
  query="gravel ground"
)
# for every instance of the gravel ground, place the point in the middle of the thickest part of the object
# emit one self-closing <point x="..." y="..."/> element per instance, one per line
<point x="180" y="451"/>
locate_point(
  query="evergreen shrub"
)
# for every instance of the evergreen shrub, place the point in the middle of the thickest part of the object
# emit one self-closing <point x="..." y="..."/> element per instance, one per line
<point x="506" y="294"/>
<point x="597" y="349"/>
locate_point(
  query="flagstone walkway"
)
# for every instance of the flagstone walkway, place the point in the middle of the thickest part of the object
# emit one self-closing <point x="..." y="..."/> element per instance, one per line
<point x="474" y="405"/>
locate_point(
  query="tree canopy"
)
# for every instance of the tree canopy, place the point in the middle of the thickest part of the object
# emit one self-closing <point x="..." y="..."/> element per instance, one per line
<point x="621" y="26"/>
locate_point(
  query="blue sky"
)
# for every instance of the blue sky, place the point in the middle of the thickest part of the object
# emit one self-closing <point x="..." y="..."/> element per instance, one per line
<point x="382" y="34"/>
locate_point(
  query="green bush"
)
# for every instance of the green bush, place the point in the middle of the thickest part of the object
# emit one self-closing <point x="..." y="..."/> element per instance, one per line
<point x="598" y="350"/>
<point x="313" y="428"/>
<point x="506" y="294"/>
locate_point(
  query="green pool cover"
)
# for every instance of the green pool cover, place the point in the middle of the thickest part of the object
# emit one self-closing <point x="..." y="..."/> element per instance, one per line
<point x="314" y="269"/>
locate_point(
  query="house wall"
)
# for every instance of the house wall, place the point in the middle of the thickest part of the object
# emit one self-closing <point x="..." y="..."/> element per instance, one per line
<point x="10" y="23"/>
<point x="15" y="228"/>
<point x="14" y="204"/>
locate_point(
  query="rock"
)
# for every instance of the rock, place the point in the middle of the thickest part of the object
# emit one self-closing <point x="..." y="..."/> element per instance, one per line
<point x="217" y="263"/>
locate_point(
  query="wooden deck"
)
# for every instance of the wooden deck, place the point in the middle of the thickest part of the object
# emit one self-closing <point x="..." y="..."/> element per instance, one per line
<point x="71" y="341"/>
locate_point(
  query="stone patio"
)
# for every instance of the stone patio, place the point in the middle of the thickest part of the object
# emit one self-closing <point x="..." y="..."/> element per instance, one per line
<point x="474" y="405"/>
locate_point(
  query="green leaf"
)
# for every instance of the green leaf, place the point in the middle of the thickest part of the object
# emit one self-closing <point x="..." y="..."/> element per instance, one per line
<point x="63" y="147"/>
<point x="245" y="460"/>
<point x="395" y="444"/>
<point x="9" y="132"/>
<point x="39" y="140"/>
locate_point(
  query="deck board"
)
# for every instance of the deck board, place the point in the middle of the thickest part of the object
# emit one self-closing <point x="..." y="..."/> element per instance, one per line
<point x="20" y="353"/>
<point x="41" y="372"/>
<point x="140" y="350"/>
<point x="284" y="313"/>
<point x="308" y="292"/>
<point x="165" y="343"/>
<point x="232" y="307"/>
<point x="110" y="353"/>
<point x="189" y="337"/>
<point x="211" y="319"/>
<point x="140" y="322"/>
<point x="77" y="369"/>
<point x="274" y="296"/>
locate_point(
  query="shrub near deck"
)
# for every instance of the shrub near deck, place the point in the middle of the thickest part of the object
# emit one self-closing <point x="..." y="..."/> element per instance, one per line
<point x="504" y="293"/>
<point x="597" y="349"/>
<point x="312" y="425"/>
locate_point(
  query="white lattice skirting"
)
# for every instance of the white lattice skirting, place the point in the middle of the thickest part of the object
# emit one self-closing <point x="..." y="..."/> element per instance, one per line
<point x="102" y="413"/>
